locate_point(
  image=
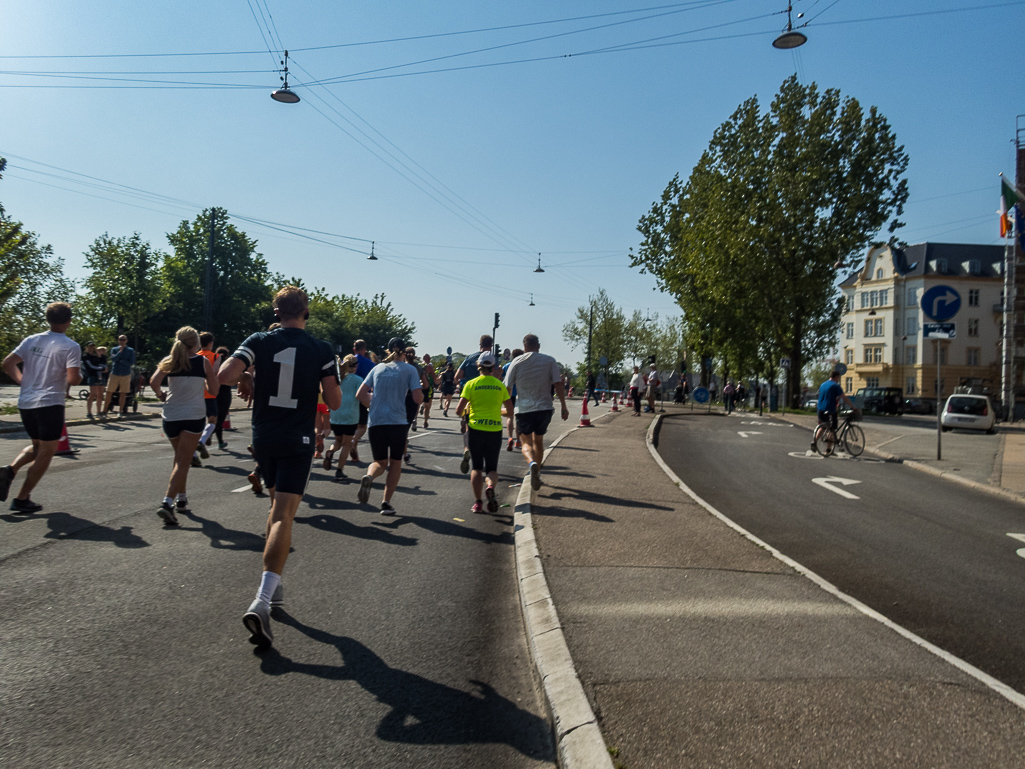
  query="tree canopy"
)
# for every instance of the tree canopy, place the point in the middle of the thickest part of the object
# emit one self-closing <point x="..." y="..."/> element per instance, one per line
<point x="781" y="200"/>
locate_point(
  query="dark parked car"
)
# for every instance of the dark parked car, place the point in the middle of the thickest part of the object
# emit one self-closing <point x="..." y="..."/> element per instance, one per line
<point x="919" y="406"/>
<point x="880" y="400"/>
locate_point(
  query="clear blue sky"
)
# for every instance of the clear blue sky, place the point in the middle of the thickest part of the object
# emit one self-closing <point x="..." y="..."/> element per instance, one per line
<point x="560" y="155"/>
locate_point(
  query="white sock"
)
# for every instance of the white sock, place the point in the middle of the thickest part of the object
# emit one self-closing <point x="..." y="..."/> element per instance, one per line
<point x="182" y="498"/>
<point x="207" y="432"/>
<point x="269" y="582"/>
<point x="168" y="501"/>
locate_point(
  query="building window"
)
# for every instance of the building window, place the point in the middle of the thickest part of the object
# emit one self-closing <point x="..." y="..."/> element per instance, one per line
<point x="864" y="299"/>
<point x="911" y="355"/>
<point x="869" y="327"/>
<point x="973" y="297"/>
<point x="879" y="327"/>
<point x="911" y="386"/>
<point x="972" y="356"/>
<point x="848" y="357"/>
<point x="884" y="297"/>
<point x="850" y="331"/>
<point x="873" y="298"/>
<point x="873" y="355"/>
<point x="943" y="355"/>
<point x="912" y="297"/>
<point x="911" y="325"/>
<point x="879" y="274"/>
<point x="849" y="383"/>
<point x="872" y="381"/>
<point x="973" y="327"/>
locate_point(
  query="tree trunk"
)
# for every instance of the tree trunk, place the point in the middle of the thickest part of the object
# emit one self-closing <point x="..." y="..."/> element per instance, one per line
<point x="796" y="364"/>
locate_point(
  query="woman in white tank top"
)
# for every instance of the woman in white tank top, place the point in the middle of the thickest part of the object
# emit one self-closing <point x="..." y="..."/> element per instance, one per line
<point x="188" y="376"/>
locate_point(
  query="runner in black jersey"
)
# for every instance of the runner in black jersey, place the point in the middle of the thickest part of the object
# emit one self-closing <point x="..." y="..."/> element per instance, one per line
<point x="291" y="370"/>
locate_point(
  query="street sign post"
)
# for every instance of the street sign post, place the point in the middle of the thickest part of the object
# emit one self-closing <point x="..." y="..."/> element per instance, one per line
<point x="939" y="330"/>
<point x="941" y="303"/>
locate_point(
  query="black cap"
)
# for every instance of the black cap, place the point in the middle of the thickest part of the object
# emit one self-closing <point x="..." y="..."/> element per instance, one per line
<point x="395" y="343"/>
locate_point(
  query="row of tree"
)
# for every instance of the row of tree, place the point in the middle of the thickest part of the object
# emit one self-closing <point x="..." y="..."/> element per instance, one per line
<point x="136" y="289"/>
<point x="753" y="243"/>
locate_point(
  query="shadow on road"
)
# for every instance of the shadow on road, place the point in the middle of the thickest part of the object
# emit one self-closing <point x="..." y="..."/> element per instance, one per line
<point x="223" y="538"/>
<point x="447" y="528"/>
<point x="423" y="712"/>
<point x="65" y="526"/>
<point x="336" y="525"/>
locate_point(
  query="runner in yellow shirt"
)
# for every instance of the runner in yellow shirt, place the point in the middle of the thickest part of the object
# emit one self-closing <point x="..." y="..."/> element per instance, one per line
<point x="484" y="400"/>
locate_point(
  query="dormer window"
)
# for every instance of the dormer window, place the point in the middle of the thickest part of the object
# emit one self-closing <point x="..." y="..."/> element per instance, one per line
<point x="879" y="273"/>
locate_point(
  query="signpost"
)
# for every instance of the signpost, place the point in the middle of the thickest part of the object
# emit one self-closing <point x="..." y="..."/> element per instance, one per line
<point x="938" y="332"/>
<point x="701" y="395"/>
<point x="941" y="303"/>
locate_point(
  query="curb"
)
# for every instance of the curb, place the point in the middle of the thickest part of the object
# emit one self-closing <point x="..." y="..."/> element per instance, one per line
<point x="578" y="739"/>
<point x="999" y="687"/>
<point x="996" y="491"/>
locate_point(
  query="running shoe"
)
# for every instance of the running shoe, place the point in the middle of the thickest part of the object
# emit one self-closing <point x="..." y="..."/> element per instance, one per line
<point x="462" y="425"/>
<point x="278" y="599"/>
<point x="196" y="462"/>
<point x="202" y="450"/>
<point x="464" y="466"/>
<point x="425" y="424"/>
<point x="510" y="444"/>
<point x="489" y="494"/>
<point x="341" y="477"/>
<point x="6" y="478"/>
<point x="182" y="505"/>
<point x="327" y="458"/>
<point x="478" y="507"/>
<point x="445" y="412"/>
<point x="166" y="512"/>
<point x="519" y="445"/>
<point x="354" y="455"/>
<point x="25" y="506"/>
<point x="222" y="445"/>
<point x="257" y="622"/>
<point x="413" y="425"/>
<point x="407" y="457"/>
<point x="535" y="476"/>
<point x="387" y="509"/>
<point x="254" y="479"/>
<point x="364" y="488"/>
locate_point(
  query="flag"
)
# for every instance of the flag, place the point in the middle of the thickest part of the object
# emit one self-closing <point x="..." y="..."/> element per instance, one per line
<point x="1008" y="197"/>
<point x="1019" y="225"/>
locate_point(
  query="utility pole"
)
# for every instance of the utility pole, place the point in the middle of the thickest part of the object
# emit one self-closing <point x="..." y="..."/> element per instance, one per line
<point x="208" y="285"/>
<point x="590" y="333"/>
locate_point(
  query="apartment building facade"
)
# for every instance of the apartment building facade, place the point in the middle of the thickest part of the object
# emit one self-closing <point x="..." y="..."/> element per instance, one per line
<point x="881" y="333"/>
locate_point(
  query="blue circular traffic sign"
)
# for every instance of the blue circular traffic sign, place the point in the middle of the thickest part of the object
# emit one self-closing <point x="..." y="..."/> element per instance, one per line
<point x="941" y="303"/>
<point x="701" y="394"/>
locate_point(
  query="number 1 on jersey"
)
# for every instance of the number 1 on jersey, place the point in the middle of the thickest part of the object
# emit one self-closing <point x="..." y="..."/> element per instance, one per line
<point x="285" y="377"/>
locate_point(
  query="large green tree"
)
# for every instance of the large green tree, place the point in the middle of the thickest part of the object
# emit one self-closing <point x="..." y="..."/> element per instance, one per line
<point x="341" y="320"/>
<point x="240" y="281"/>
<point x="605" y="324"/>
<point x="780" y="201"/>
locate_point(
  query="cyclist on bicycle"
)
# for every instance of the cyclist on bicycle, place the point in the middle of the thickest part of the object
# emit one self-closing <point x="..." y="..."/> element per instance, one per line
<point x="830" y="395"/>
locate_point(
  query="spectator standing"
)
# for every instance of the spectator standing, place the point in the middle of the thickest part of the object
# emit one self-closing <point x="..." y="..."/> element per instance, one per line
<point x="535" y="375"/>
<point x="122" y="359"/>
<point x="93" y="369"/>
<point x="590" y="391"/>
<point x="636" y="389"/>
<point x="727" y="396"/>
<point x="50" y="362"/>
<point x="653" y="383"/>
<point x="483" y="400"/>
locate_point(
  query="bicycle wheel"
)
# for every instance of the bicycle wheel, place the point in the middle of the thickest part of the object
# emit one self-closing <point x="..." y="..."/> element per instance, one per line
<point x="825" y="440"/>
<point x="854" y="440"/>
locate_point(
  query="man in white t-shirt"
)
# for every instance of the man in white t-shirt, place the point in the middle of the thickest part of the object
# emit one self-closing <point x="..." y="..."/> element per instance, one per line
<point x="50" y="363"/>
<point x="535" y="375"/>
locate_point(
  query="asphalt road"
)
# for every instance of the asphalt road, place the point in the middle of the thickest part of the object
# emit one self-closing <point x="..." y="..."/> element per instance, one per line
<point x="400" y="643"/>
<point x="931" y="555"/>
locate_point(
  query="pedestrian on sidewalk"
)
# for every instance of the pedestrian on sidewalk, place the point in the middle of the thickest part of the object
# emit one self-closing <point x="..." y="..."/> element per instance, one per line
<point x="92" y="377"/>
<point x="483" y="400"/>
<point x="727" y="396"/>
<point x="591" y="389"/>
<point x="49" y="363"/>
<point x="345" y="418"/>
<point x="190" y="377"/>
<point x="383" y="393"/>
<point x="636" y="388"/>
<point x="291" y="369"/>
<point x="122" y="359"/>
<point x="653" y="384"/>
<point x="535" y="375"/>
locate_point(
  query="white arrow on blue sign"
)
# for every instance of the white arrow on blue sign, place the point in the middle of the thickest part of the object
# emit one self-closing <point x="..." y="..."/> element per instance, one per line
<point x="941" y="303"/>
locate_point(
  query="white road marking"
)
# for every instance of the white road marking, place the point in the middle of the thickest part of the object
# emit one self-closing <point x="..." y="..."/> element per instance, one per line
<point x="709" y="607"/>
<point x="1020" y="538"/>
<point x="742" y="434"/>
<point x="830" y="479"/>
<point x="767" y="424"/>
<point x="247" y="487"/>
<point x="805" y="455"/>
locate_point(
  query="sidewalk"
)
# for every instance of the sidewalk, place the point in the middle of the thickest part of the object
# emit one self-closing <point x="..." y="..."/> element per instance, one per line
<point x="696" y="647"/>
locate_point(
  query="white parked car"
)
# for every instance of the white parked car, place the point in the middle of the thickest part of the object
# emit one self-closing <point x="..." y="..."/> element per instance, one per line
<point x="969" y="412"/>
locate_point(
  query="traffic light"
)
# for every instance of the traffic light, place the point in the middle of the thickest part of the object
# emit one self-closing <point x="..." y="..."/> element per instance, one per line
<point x="496" y="320"/>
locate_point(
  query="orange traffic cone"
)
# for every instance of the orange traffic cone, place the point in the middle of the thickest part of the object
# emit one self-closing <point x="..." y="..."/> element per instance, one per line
<point x="615" y="407"/>
<point x="603" y="396"/>
<point x="64" y="447"/>
<point x="227" y="423"/>
<point x="585" y="420"/>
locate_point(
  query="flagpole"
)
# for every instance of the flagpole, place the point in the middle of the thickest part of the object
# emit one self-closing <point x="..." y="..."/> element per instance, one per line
<point x="1007" y="370"/>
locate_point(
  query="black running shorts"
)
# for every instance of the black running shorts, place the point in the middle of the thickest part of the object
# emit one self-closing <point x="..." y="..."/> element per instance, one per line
<point x="387" y="441"/>
<point x="340" y="430"/>
<point x="285" y="473"/>
<point x="485" y="448"/>
<point x="211" y="406"/>
<point x="176" y="427"/>
<point x="533" y="422"/>
<point x="44" y="423"/>
<point x="829" y="417"/>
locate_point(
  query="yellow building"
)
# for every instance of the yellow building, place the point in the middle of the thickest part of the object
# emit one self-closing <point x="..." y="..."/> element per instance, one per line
<point x="881" y="333"/>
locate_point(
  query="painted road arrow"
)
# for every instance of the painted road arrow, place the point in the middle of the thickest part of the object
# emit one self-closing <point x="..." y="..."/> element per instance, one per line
<point x="830" y="479"/>
<point x="743" y="434"/>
